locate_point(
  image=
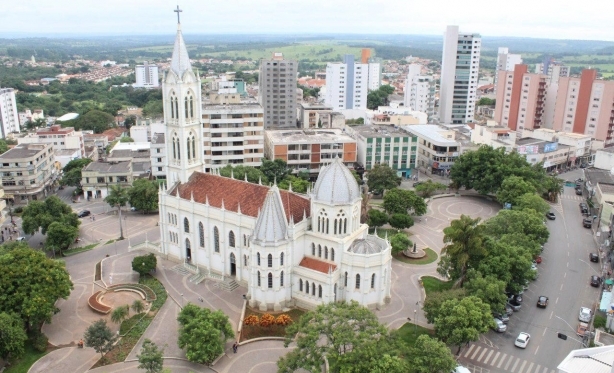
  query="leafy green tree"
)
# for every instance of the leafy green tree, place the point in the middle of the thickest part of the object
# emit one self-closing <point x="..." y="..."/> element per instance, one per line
<point x="434" y="300"/>
<point x="464" y="245"/>
<point x="532" y="201"/>
<point x="151" y="357"/>
<point x="13" y="336"/>
<point x="118" y="197"/>
<point x="100" y="337"/>
<point x="61" y="236"/>
<point x="126" y="139"/>
<point x="120" y="314"/>
<point x="144" y="195"/>
<point x="203" y="333"/>
<point x="3" y="146"/>
<point x="40" y="214"/>
<point x="379" y="97"/>
<point x="508" y="262"/>
<point x="381" y="178"/>
<point x="402" y="201"/>
<point x="512" y="189"/>
<point x="339" y="331"/>
<point x="553" y="187"/>
<point x="400" y="221"/>
<point x="153" y="109"/>
<point x="485" y="101"/>
<point x="399" y="243"/>
<point x="138" y="306"/>
<point x="429" y="355"/>
<point x="462" y="321"/>
<point x="72" y="172"/>
<point x="524" y="222"/>
<point x="275" y="170"/>
<point x="96" y="120"/>
<point x="144" y="264"/>
<point x="427" y="188"/>
<point x="298" y="185"/>
<point x="489" y="289"/>
<point x="254" y="175"/>
<point x="129" y="121"/>
<point x="376" y="218"/>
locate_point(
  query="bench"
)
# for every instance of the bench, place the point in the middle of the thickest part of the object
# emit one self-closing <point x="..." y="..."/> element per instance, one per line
<point x="96" y="304"/>
<point x="145" y="291"/>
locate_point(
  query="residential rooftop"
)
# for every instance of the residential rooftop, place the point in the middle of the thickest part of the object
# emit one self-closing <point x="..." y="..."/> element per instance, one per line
<point x="431" y="132"/>
<point x="109" y="167"/>
<point x="381" y="131"/>
<point x="24" y="151"/>
<point x="308" y="136"/>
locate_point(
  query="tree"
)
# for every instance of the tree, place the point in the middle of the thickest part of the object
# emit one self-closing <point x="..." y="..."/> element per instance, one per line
<point x="3" y="146"/>
<point x="400" y="221"/>
<point x="13" y="336"/>
<point x="464" y="244"/>
<point x="129" y="121"/>
<point x="427" y="188"/>
<point x="120" y="314"/>
<point x="138" y="306"/>
<point x="485" y="101"/>
<point x="239" y="172"/>
<point x="399" y="243"/>
<point x="429" y="355"/>
<point x="126" y="139"/>
<point x="532" y="201"/>
<point x="381" y="178"/>
<point x="512" y="189"/>
<point x="144" y="264"/>
<point x="153" y="109"/>
<point x="346" y="333"/>
<point x="96" y="120"/>
<point x="118" y="197"/>
<point x="60" y="236"/>
<point x="379" y="97"/>
<point x="275" y="170"/>
<point x="526" y="223"/>
<point x="508" y="260"/>
<point x="462" y="321"/>
<point x="151" y="357"/>
<point x="553" y="187"/>
<point x="402" y="201"/>
<point x="72" y="172"/>
<point x="100" y="337"/>
<point x="40" y="214"/>
<point x="144" y="195"/>
<point x="203" y="333"/>
<point x="298" y="185"/>
<point x="490" y="289"/>
<point x="376" y="218"/>
<point x="432" y="303"/>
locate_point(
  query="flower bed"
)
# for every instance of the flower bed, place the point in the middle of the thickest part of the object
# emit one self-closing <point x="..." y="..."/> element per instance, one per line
<point x="96" y="305"/>
<point x="273" y="330"/>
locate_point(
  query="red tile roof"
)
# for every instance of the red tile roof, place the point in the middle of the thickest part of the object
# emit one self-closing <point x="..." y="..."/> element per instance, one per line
<point x="237" y="192"/>
<point x="317" y="265"/>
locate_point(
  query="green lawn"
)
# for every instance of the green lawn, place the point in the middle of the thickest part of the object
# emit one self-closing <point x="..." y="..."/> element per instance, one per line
<point x="432" y="284"/>
<point x="301" y="51"/>
<point x="78" y="250"/>
<point x="30" y="357"/>
<point x="430" y="257"/>
<point x="410" y="332"/>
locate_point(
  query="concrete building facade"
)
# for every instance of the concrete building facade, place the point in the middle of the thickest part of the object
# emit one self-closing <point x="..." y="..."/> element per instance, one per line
<point x="348" y="83"/>
<point x="97" y="177"/>
<point x="9" y="117"/>
<point x="65" y="141"/>
<point x="437" y="150"/>
<point x="28" y="172"/>
<point x="277" y="91"/>
<point x="419" y="92"/>
<point x="505" y="62"/>
<point x="146" y="76"/>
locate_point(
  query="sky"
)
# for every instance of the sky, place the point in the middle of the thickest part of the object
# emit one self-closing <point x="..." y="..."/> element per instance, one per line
<point x="517" y="18"/>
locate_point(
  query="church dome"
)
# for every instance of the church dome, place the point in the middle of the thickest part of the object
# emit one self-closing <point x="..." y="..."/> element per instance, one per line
<point x="336" y="184"/>
<point x="367" y="246"/>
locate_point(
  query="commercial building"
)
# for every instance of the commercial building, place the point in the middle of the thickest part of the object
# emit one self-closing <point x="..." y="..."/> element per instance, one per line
<point x="396" y="116"/>
<point x="319" y="116"/>
<point x="419" y="92"/>
<point x="505" y="62"/>
<point x="348" y="83"/>
<point x="437" y="150"/>
<point x="549" y="67"/>
<point x="158" y="156"/>
<point x="68" y="144"/>
<point x="553" y="154"/>
<point x="146" y="76"/>
<point x="9" y="118"/>
<point x="28" y="172"/>
<point x="310" y="150"/>
<point x="593" y="360"/>
<point x="494" y="135"/>
<point x="277" y="91"/>
<point x="459" y="76"/>
<point x="97" y="177"/>
<point x="388" y="145"/>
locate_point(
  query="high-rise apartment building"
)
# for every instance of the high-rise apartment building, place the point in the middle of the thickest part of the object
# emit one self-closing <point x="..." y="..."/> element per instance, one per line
<point x="9" y="117"/>
<point x="459" y="76"/>
<point x="277" y="92"/>
<point x="506" y="62"/>
<point x="550" y="67"/>
<point x="146" y="76"/>
<point x="348" y="83"/>
<point x="419" y="92"/>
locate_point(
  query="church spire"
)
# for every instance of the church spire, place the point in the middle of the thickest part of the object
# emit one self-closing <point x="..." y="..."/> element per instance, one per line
<point x="180" y="61"/>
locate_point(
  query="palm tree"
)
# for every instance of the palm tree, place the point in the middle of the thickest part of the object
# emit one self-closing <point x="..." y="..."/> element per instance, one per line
<point x="138" y="306"/>
<point x="118" y="197"/>
<point x="553" y="186"/>
<point x="464" y="238"/>
<point x="120" y="314"/>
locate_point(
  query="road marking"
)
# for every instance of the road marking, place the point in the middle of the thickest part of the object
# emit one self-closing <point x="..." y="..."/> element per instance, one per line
<point x="557" y="300"/>
<point x="471" y="348"/>
<point x="482" y="354"/>
<point x="529" y="368"/>
<point x="544" y="333"/>
<point x="508" y="362"/>
<point x="537" y="349"/>
<point x="561" y="287"/>
<point x="567" y="264"/>
<point x="515" y="365"/>
<point x="524" y="362"/>
<point x="537" y="368"/>
<point x="502" y="360"/>
<point x="551" y="313"/>
<point x="565" y="275"/>
<point x="488" y="356"/>
<point x="476" y="352"/>
<point x="494" y="359"/>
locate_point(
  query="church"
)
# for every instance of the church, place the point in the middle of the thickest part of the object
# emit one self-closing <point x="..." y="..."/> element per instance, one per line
<point x="288" y="249"/>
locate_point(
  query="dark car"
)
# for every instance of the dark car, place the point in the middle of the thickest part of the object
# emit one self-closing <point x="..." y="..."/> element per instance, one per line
<point x="542" y="301"/>
<point x="417" y="183"/>
<point x="551" y="216"/>
<point x="595" y="281"/>
<point x="502" y="316"/>
<point x="579" y="191"/>
<point x="516" y="297"/>
<point x="594" y="257"/>
<point x="583" y="208"/>
<point x="509" y="310"/>
<point x="587" y="223"/>
<point x="515" y="305"/>
<point x="84" y="213"/>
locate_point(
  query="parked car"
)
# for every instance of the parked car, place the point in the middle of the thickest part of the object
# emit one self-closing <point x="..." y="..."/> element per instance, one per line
<point x="461" y="369"/>
<point x="583" y="208"/>
<point x="500" y="326"/>
<point x="594" y="257"/>
<point x="522" y="340"/>
<point x="516" y="297"/>
<point x="84" y="213"/>
<point x="587" y="223"/>
<point x="551" y="216"/>
<point x="515" y="305"/>
<point x="502" y="316"/>
<point x="579" y="191"/>
<point x="582" y="329"/>
<point x="21" y="238"/>
<point x="595" y="281"/>
<point x="537" y="260"/>
<point x="509" y="310"/>
<point x="585" y="314"/>
<point x="542" y="301"/>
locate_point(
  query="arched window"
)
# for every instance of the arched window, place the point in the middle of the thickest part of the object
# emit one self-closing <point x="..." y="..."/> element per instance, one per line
<point x="174" y="147"/>
<point x="281" y="278"/>
<point x="231" y="239"/>
<point x="335" y="224"/>
<point x="186" y="108"/>
<point x="244" y="240"/>
<point x="270" y="280"/>
<point x="281" y="259"/>
<point x="216" y="240"/>
<point x="319" y="291"/>
<point x="193" y="147"/>
<point x="319" y="251"/>
<point x="373" y="281"/>
<point x="357" y="281"/>
<point x="327" y="225"/>
<point x="170" y="220"/>
<point x="322" y="222"/>
<point x="332" y="254"/>
<point x="340" y="223"/>
<point x="191" y="107"/>
<point x="307" y="287"/>
<point x="325" y="252"/>
<point x="176" y="108"/>
<point x="345" y="282"/>
<point x="300" y="285"/>
<point x="258" y="278"/>
<point x="201" y="234"/>
<point x="172" y="109"/>
<point x="313" y="249"/>
<point x="269" y="261"/>
<point x="258" y="258"/>
<point x="245" y="260"/>
<point x="345" y="225"/>
<point x="313" y="290"/>
<point x="188" y="143"/>
<point x="186" y="225"/>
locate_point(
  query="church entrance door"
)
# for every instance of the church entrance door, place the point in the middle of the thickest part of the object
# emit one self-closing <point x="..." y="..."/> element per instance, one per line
<point x="188" y="251"/>
<point x="233" y="265"/>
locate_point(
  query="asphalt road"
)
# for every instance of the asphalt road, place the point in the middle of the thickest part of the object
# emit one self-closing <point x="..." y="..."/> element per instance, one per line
<point x="564" y="278"/>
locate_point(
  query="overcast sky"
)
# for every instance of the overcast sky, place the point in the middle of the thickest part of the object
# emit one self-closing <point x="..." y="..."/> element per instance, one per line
<point x="520" y="18"/>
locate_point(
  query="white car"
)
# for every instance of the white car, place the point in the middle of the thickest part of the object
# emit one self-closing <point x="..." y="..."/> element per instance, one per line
<point x="585" y="314"/>
<point x="461" y="369"/>
<point x="522" y="340"/>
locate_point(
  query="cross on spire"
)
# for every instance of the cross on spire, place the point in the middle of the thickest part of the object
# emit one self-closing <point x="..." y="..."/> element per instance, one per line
<point x="178" y="11"/>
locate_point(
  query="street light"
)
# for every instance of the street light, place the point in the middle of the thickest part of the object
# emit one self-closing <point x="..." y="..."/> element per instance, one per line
<point x="181" y="299"/>
<point x="572" y="329"/>
<point x="591" y="267"/>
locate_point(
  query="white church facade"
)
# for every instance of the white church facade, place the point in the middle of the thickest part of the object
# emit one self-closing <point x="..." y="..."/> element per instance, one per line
<point x="288" y="249"/>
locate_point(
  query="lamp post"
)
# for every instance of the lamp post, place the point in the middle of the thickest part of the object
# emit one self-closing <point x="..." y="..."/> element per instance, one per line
<point x="181" y="299"/>
<point x="572" y="329"/>
<point x="591" y="267"/>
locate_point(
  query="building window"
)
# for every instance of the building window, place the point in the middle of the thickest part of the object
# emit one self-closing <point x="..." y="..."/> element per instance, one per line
<point x="332" y="254"/>
<point x="231" y="239"/>
<point x="357" y="281"/>
<point x="319" y="291"/>
<point x="270" y="280"/>
<point x="325" y="252"/>
<point x="258" y="278"/>
<point x="373" y="281"/>
<point x="216" y="239"/>
<point x="307" y="287"/>
<point x="245" y="260"/>
<point x="281" y="259"/>
<point x="300" y="285"/>
<point x="258" y="259"/>
<point x="313" y="249"/>
<point x="313" y="289"/>
<point x="244" y="240"/>
<point x="186" y="225"/>
<point x="201" y="234"/>
<point x="319" y="251"/>
<point x="270" y="261"/>
<point x="345" y="281"/>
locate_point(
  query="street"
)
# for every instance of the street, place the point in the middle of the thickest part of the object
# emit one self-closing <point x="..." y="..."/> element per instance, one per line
<point x="564" y="278"/>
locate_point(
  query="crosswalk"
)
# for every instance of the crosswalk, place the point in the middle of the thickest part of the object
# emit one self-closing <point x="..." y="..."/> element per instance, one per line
<point x="500" y="361"/>
<point x="572" y="197"/>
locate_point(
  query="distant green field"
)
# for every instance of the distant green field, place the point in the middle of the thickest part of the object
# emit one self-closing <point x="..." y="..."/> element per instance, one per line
<point x="313" y="51"/>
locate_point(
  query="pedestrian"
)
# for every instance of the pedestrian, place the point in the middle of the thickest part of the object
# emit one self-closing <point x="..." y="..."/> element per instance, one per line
<point x="93" y="218"/>
<point x="235" y="346"/>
